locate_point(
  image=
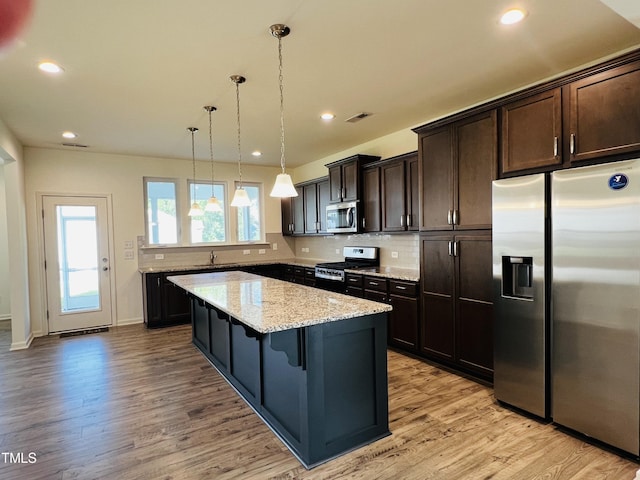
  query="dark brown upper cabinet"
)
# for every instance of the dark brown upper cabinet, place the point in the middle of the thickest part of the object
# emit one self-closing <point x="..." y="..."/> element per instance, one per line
<point x="399" y="191"/>
<point x="531" y="131"/>
<point x="371" y="200"/>
<point x="458" y="162"/>
<point x="344" y="178"/>
<point x="604" y="113"/>
<point x="305" y="214"/>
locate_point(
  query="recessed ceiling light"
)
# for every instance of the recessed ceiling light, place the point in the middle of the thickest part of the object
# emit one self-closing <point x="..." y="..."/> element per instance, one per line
<point x="50" y="67"/>
<point x="327" y="116"/>
<point x="256" y="153"/>
<point x="69" y="135"/>
<point x="512" y="16"/>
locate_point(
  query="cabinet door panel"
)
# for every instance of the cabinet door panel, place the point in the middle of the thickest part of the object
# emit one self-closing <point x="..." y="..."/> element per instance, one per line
<point x="323" y="201"/>
<point x="310" y="208"/>
<point x="437" y="266"/>
<point x="335" y="183"/>
<point x="531" y="132"/>
<point x="403" y="322"/>
<point x="475" y="269"/>
<point x="350" y="181"/>
<point x="393" y="195"/>
<point x="436" y="179"/>
<point x="176" y="303"/>
<point x="604" y="114"/>
<point x="474" y="331"/>
<point x="412" y="193"/>
<point x="297" y="204"/>
<point x="476" y="168"/>
<point x="287" y="216"/>
<point x="371" y="199"/>
<point x="437" y="325"/>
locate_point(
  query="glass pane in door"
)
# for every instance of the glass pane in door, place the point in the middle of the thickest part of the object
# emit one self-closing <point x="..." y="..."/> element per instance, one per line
<point x="78" y="258"/>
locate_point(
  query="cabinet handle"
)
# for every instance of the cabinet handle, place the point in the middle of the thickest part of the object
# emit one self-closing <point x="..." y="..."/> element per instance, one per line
<point x="449" y="214"/>
<point x="455" y="217"/>
<point x="373" y="283"/>
<point x="555" y="146"/>
<point x="399" y="287"/>
<point x="450" y="248"/>
<point x="343" y="192"/>
<point x="158" y="280"/>
<point x="402" y="220"/>
<point x="572" y="144"/>
<point x="409" y="222"/>
<point x="455" y="249"/>
<point x="363" y="222"/>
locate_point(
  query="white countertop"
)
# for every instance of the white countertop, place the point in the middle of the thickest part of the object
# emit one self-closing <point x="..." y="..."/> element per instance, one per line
<point x="270" y="305"/>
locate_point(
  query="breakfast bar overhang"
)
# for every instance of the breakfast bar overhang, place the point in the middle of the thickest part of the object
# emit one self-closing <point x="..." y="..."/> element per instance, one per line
<point x="311" y="363"/>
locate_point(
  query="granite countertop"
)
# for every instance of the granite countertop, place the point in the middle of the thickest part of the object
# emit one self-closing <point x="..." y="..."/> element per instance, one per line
<point x="302" y="262"/>
<point x="394" y="273"/>
<point x="270" y="305"/>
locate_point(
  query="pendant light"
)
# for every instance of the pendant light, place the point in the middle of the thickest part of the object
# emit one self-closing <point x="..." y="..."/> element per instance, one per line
<point x="213" y="205"/>
<point x="240" y="197"/>
<point x="195" y="210"/>
<point x="283" y="186"/>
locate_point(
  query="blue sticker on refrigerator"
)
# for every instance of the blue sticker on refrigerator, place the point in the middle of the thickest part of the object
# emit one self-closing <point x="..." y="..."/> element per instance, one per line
<point x="618" y="181"/>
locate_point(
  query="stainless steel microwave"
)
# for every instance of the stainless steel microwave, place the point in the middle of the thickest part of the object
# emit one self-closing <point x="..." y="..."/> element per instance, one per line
<point x="342" y="217"/>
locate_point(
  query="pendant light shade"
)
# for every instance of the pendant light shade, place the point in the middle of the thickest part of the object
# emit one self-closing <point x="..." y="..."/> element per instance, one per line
<point x="240" y="197"/>
<point x="195" y="210"/>
<point x="213" y="205"/>
<point x="283" y="186"/>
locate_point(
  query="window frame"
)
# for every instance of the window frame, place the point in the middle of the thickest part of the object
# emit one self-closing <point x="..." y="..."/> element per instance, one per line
<point x="147" y="233"/>
<point x="261" y="208"/>
<point x="225" y="212"/>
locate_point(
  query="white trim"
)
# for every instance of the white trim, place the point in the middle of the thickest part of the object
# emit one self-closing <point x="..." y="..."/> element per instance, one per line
<point x="41" y="252"/>
<point x="6" y="316"/>
<point x="22" y="345"/>
<point x="129" y="321"/>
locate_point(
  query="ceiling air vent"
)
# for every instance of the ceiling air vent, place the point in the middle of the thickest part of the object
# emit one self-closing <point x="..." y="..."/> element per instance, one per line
<point x="76" y="145"/>
<point x="357" y="117"/>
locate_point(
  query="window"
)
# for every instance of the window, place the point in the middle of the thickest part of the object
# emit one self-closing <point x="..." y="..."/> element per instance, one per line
<point x="250" y="218"/>
<point x="161" y="211"/>
<point x="211" y="227"/>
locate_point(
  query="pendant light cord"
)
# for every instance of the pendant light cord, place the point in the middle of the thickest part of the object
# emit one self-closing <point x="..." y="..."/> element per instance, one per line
<point x="211" y="150"/>
<point x="238" y="114"/>
<point x="281" y="103"/>
<point x="193" y="154"/>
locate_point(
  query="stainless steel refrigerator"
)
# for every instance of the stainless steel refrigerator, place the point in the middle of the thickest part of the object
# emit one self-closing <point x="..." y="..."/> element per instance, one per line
<point x="590" y="299"/>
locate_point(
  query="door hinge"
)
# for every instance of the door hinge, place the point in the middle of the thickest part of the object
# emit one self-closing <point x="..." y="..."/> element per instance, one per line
<point x="47" y="314"/>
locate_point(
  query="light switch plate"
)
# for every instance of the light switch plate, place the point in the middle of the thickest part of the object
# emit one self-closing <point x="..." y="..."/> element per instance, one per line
<point x="246" y="252"/>
<point x="159" y="256"/>
<point x="128" y="254"/>
<point x="274" y="246"/>
<point x="262" y="251"/>
<point x="128" y="244"/>
<point x="394" y="254"/>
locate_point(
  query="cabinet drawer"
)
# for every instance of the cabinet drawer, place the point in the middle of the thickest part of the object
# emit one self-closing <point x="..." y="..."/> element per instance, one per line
<point x="406" y="289"/>
<point x="353" y="280"/>
<point x="375" y="296"/>
<point x="310" y="272"/>
<point x="354" y="291"/>
<point x="298" y="271"/>
<point x="375" y="283"/>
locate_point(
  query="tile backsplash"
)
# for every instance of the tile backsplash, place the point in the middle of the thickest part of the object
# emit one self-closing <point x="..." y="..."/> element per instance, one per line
<point x="398" y="250"/>
<point x="329" y="247"/>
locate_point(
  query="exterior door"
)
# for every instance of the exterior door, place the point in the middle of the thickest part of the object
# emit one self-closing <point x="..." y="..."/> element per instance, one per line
<point x="77" y="264"/>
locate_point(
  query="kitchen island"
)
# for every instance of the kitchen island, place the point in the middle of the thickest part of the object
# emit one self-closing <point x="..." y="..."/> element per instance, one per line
<point x="311" y="363"/>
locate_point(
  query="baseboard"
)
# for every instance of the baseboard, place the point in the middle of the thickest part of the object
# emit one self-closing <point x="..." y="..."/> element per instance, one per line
<point x="128" y="321"/>
<point x="22" y="345"/>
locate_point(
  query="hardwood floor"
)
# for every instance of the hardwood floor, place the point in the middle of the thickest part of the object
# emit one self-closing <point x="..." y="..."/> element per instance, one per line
<point x="145" y="404"/>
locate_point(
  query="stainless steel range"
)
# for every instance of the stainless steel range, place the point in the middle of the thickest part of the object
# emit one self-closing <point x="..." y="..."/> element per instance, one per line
<point x="331" y="275"/>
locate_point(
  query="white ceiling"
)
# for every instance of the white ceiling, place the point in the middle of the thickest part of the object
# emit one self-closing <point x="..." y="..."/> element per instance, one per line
<point x="137" y="73"/>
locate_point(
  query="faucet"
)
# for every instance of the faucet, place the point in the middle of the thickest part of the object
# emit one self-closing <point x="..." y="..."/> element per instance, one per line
<point x="212" y="258"/>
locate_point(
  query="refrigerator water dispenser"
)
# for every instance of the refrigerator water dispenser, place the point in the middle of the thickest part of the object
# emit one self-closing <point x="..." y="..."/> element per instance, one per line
<point x="517" y="277"/>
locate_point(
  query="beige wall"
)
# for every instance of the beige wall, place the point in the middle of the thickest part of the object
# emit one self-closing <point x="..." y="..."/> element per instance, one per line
<point x="391" y="145"/>
<point x="71" y="172"/>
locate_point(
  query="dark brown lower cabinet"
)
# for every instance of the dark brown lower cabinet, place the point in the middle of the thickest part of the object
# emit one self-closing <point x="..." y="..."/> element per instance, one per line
<point x="457" y="307"/>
